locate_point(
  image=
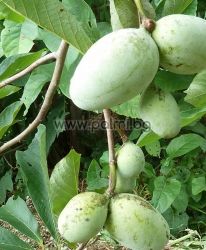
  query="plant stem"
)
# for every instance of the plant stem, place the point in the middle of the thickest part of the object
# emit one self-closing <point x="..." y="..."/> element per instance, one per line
<point x="140" y="7"/>
<point x="188" y="236"/>
<point x="112" y="159"/>
<point x="61" y="55"/>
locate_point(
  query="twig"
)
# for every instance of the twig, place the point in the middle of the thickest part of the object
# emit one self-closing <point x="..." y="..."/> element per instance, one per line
<point x="112" y="160"/>
<point x="190" y="234"/>
<point x="31" y="67"/>
<point x="61" y="55"/>
<point x="82" y="246"/>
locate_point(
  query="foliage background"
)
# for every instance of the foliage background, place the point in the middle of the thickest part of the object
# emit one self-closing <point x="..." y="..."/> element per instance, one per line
<point x="175" y="175"/>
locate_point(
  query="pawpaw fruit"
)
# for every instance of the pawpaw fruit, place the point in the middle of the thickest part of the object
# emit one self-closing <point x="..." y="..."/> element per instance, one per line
<point x="181" y="41"/>
<point x="115" y="69"/>
<point x="130" y="160"/>
<point x="160" y="109"/>
<point x="124" y="185"/>
<point x="83" y="217"/>
<point x="135" y="224"/>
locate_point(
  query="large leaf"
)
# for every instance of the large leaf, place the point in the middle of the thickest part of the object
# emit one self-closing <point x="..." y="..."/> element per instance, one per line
<point x="7" y="117"/>
<point x="33" y="167"/>
<point x="95" y="181"/>
<point x="12" y="65"/>
<point x="179" y="6"/>
<point x="81" y="10"/>
<point x="124" y="14"/>
<point x="38" y="78"/>
<point x="7" y="13"/>
<point x="17" y="38"/>
<point x="184" y="144"/>
<point x="168" y="81"/>
<point x="165" y="192"/>
<point x="129" y="109"/>
<point x="8" y="90"/>
<point x="55" y="17"/>
<point x="147" y="138"/>
<point x="196" y="93"/>
<point x="17" y="214"/>
<point x="64" y="181"/>
<point x="9" y="241"/>
<point x="198" y="185"/>
<point x="191" y="115"/>
<point x="154" y="149"/>
<point x="55" y="122"/>
<point x="6" y="184"/>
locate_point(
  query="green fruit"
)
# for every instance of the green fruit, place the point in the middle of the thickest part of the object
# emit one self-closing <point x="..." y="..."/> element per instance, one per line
<point x="124" y="185"/>
<point x="83" y="217"/>
<point x="160" y="109"/>
<point x="181" y="41"/>
<point x="115" y="69"/>
<point x="130" y="160"/>
<point x="135" y="224"/>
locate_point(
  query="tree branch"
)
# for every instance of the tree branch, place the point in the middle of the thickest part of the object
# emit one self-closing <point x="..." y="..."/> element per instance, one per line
<point x="60" y="55"/>
<point x="31" y="67"/>
<point x="112" y="159"/>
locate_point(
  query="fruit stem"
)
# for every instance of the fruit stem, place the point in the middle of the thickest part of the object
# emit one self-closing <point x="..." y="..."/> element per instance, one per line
<point x="119" y="130"/>
<point x="112" y="159"/>
<point x="140" y="7"/>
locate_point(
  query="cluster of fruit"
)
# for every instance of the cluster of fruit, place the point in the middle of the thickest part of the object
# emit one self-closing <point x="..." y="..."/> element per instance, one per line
<point x="124" y="63"/>
<point x="129" y="219"/>
<point x="115" y="69"/>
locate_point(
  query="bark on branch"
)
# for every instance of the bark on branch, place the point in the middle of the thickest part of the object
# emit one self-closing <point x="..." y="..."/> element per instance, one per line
<point x="60" y="59"/>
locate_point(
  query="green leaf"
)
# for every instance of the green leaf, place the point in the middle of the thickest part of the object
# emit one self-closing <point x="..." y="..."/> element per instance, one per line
<point x="196" y="93"/>
<point x="6" y="184"/>
<point x="148" y="9"/>
<point x="124" y="14"/>
<point x="17" y="214"/>
<point x="33" y="168"/>
<point x="147" y="138"/>
<point x="55" y="17"/>
<point x="198" y="185"/>
<point x="10" y="241"/>
<point x="154" y="149"/>
<point x="178" y="222"/>
<point x="181" y="202"/>
<point x="179" y="7"/>
<point x="55" y="122"/>
<point x="51" y="40"/>
<point x="64" y="181"/>
<point x="184" y="144"/>
<point x="191" y="115"/>
<point x="165" y="192"/>
<point x="82" y="11"/>
<point x="38" y="78"/>
<point x="8" y="90"/>
<point x="170" y="82"/>
<point x="7" y="13"/>
<point x="12" y="65"/>
<point x="129" y="109"/>
<point x="94" y="179"/>
<point x="7" y="117"/>
<point x="17" y="38"/>
<point x="71" y="63"/>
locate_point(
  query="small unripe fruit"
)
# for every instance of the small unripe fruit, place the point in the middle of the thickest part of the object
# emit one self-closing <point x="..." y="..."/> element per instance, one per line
<point x="181" y="41"/>
<point x="135" y="224"/>
<point x="160" y="109"/>
<point x="115" y="69"/>
<point x="83" y="217"/>
<point x="130" y="160"/>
